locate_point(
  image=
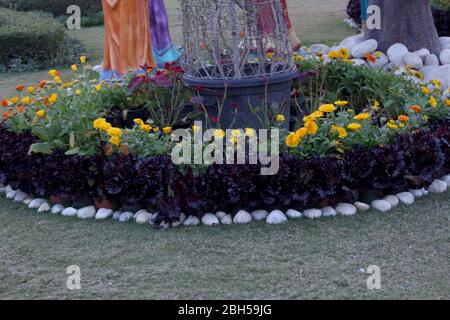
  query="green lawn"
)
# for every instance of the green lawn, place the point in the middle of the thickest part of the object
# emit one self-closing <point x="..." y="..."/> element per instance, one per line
<point x="300" y="260"/>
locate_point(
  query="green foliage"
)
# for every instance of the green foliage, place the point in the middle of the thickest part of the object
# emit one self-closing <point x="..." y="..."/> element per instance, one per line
<point x="55" y="7"/>
<point x="30" y="40"/>
<point x="441" y="4"/>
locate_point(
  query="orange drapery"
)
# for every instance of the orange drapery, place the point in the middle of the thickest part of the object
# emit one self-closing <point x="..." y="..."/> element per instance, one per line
<point x="127" y="35"/>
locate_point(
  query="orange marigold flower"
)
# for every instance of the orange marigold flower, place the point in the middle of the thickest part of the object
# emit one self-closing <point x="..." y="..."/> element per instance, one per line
<point x="416" y="108"/>
<point x="403" y="118"/>
<point x="42" y="84"/>
<point x="20" y="109"/>
<point x="20" y="87"/>
<point x="370" y="57"/>
<point x="7" y="114"/>
<point x="5" y="103"/>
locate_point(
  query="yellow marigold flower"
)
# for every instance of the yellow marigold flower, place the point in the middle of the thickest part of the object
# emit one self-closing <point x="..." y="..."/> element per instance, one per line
<point x="98" y="122"/>
<point x="292" y="140"/>
<point x="281" y="118"/>
<point x="15" y="100"/>
<point x="351" y="111"/>
<point x="114" y="132"/>
<point x="30" y="90"/>
<point x="234" y="140"/>
<point x="249" y="132"/>
<point x="436" y="83"/>
<point x="327" y="108"/>
<point x="155" y="129"/>
<point x="40" y="113"/>
<point x="447" y="102"/>
<point x="219" y="134"/>
<point x="53" y="73"/>
<point x="433" y="102"/>
<point x="426" y="118"/>
<point x="167" y="130"/>
<point x="78" y="92"/>
<point x="114" y="140"/>
<point x="236" y="133"/>
<point x="53" y="98"/>
<point x="302" y="133"/>
<point x="98" y="88"/>
<point x="68" y="84"/>
<point x="340" y="131"/>
<point x="269" y="55"/>
<point x="344" y="53"/>
<point x="425" y="90"/>
<point x="26" y="100"/>
<point x="341" y="103"/>
<point x="362" y="116"/>
<point x="376" y="105"/>
<point x="312" y="127"/>
<point x="403" y="118"/>
<point x="392" y="126"/>
<point x="401" y="125"/>
<point x="139" y="122"/>
<point x="145" y="127"/>
<point x="74" y="67"/>
<point x="196" y="128"/>
<point x="105" y="126"/>
<point x="57" y="79"/>
<point x="354" y="126"/>
<point x="334" y="55"/>
<point x="298" y="59"/>
<point x="83" y="59"/>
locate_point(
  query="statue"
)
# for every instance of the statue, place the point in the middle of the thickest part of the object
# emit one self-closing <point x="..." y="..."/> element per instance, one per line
<point x="127" y="37"/>
<point x="163" y="48"/>
<point x="405" y="21"/>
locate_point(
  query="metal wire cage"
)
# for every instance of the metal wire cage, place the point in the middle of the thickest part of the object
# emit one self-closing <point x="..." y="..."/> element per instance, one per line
<point x="234" y="39"/>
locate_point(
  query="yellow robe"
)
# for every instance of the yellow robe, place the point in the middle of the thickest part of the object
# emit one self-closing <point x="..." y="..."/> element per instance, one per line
<point x="127" y="36"/>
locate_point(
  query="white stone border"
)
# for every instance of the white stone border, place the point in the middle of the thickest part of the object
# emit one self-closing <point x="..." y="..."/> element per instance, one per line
<point x="242" y="217"/>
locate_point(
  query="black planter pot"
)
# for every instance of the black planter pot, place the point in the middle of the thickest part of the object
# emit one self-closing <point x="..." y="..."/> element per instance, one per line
<point x="135" y="113"/>
<point x="115" y="118"/>
<point x="243" y="98"/>
<point x="442" y="21"/>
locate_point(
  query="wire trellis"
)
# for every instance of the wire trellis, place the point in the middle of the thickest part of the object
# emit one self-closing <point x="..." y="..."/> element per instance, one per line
<point x="234" y="39"/>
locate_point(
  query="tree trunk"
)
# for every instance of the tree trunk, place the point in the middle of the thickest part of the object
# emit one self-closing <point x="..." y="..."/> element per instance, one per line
<point x="405" y="21"/>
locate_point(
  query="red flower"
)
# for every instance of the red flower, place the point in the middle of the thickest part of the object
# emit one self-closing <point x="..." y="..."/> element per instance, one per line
<point x="214" y="119"/>
<point x="4" y="103"/>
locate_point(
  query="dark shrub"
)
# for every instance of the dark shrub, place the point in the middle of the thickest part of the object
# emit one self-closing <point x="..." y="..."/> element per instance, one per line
<point x="55" y="7"/>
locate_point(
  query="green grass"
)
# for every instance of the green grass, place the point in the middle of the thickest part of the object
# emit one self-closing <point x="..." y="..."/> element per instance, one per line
<point x="300" y="260"/>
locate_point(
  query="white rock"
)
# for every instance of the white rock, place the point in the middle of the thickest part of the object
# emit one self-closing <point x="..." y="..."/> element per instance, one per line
<point x="413" y="60"/>
<point x="191" y="221"/>
<point x="220" y="214"/>
<point x="445" y="42"/>
<point x="27" y="201"/>
<point x="294" y="214"/>
<point x="8" y="188"/>
<point x="327" y="212"/>
<point x="362" y="206"/>
<point x="380" y="63"/>
<point x="126" y="216"/>
<point x="103" y="214"/>
<point x="441" y="73"/>
<point x="227" y="220"/>
<point x="417" y="193"/>
<point x="36" y="203"/>
<point x="312" y="213"/>
<point x="242" y="217"/>
<point x="69" y="212"/>
<point x="393" y="200"/>
<point x="368" y="46"/>
<point x="139" y="212"/>
<point x="422" y="53"/>
<point x="45" y="207"/>
<point x="260" y="215"/>
<point x="431" y="60"/>
<point x="396" y="53"/>
<point x="116" y="215"/>
<point x="438" y="186"/>
<point x="350" y="42"/>
<point x="446" y="179"/>
<point x="154" y="217"/>
<point x="57" y="209"/>
<point x="346" y="209"/>
<point x="381" y="205"/>
<point x="444" y="57"/>
<point x="359" y="62"/>
<point x="143" y="217"/>
<point x="322" y="48"/>
<point x="405" y="198"/>
<point x="11" y="194"/>
<point x="20" y="196"/>
<point x="210" y="219"/>
<point x="276" y="217"/>
<point x="179" y="222"/>
<point x="87" y="212"/>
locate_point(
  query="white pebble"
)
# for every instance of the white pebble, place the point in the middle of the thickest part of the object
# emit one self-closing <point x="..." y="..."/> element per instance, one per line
<point x="36" y="203"/>
<point x="69" y="212"/>
<point x="406" y="198"/>
<point x="227" y="220"/>
<point x="362" y="206"/>
<point x="210" y="219"/>
<point x="20" y="196"/>
<point x="242" y="217"/>
<point x="328" y="212"/>
<point x="180" y="221"/>
<point x="87" y="212"/>
<point x="438" y="186"/>
<point x="103" y="214"/>
<point x="381" y="205"/>
<point x="126" y="216"/>
<point x="57" y="209"/>
<point x="191" y="221"/>
<point x="220" y="214"/>
<point x="312" y="213"/>
<point x="45" y="207"/>
<point x="294" y="214"/>
<point x="260" y="215"/>
<point x="116" y="215"/>
<point x="11" y="195"/>
<point x="276" y="217"/>
<point x="446" y="179"/>
<point x="143" y="217"/>
<point x="393" y="200"/>
<point x="27" y="201"/>
<point x="346" y="209"/>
